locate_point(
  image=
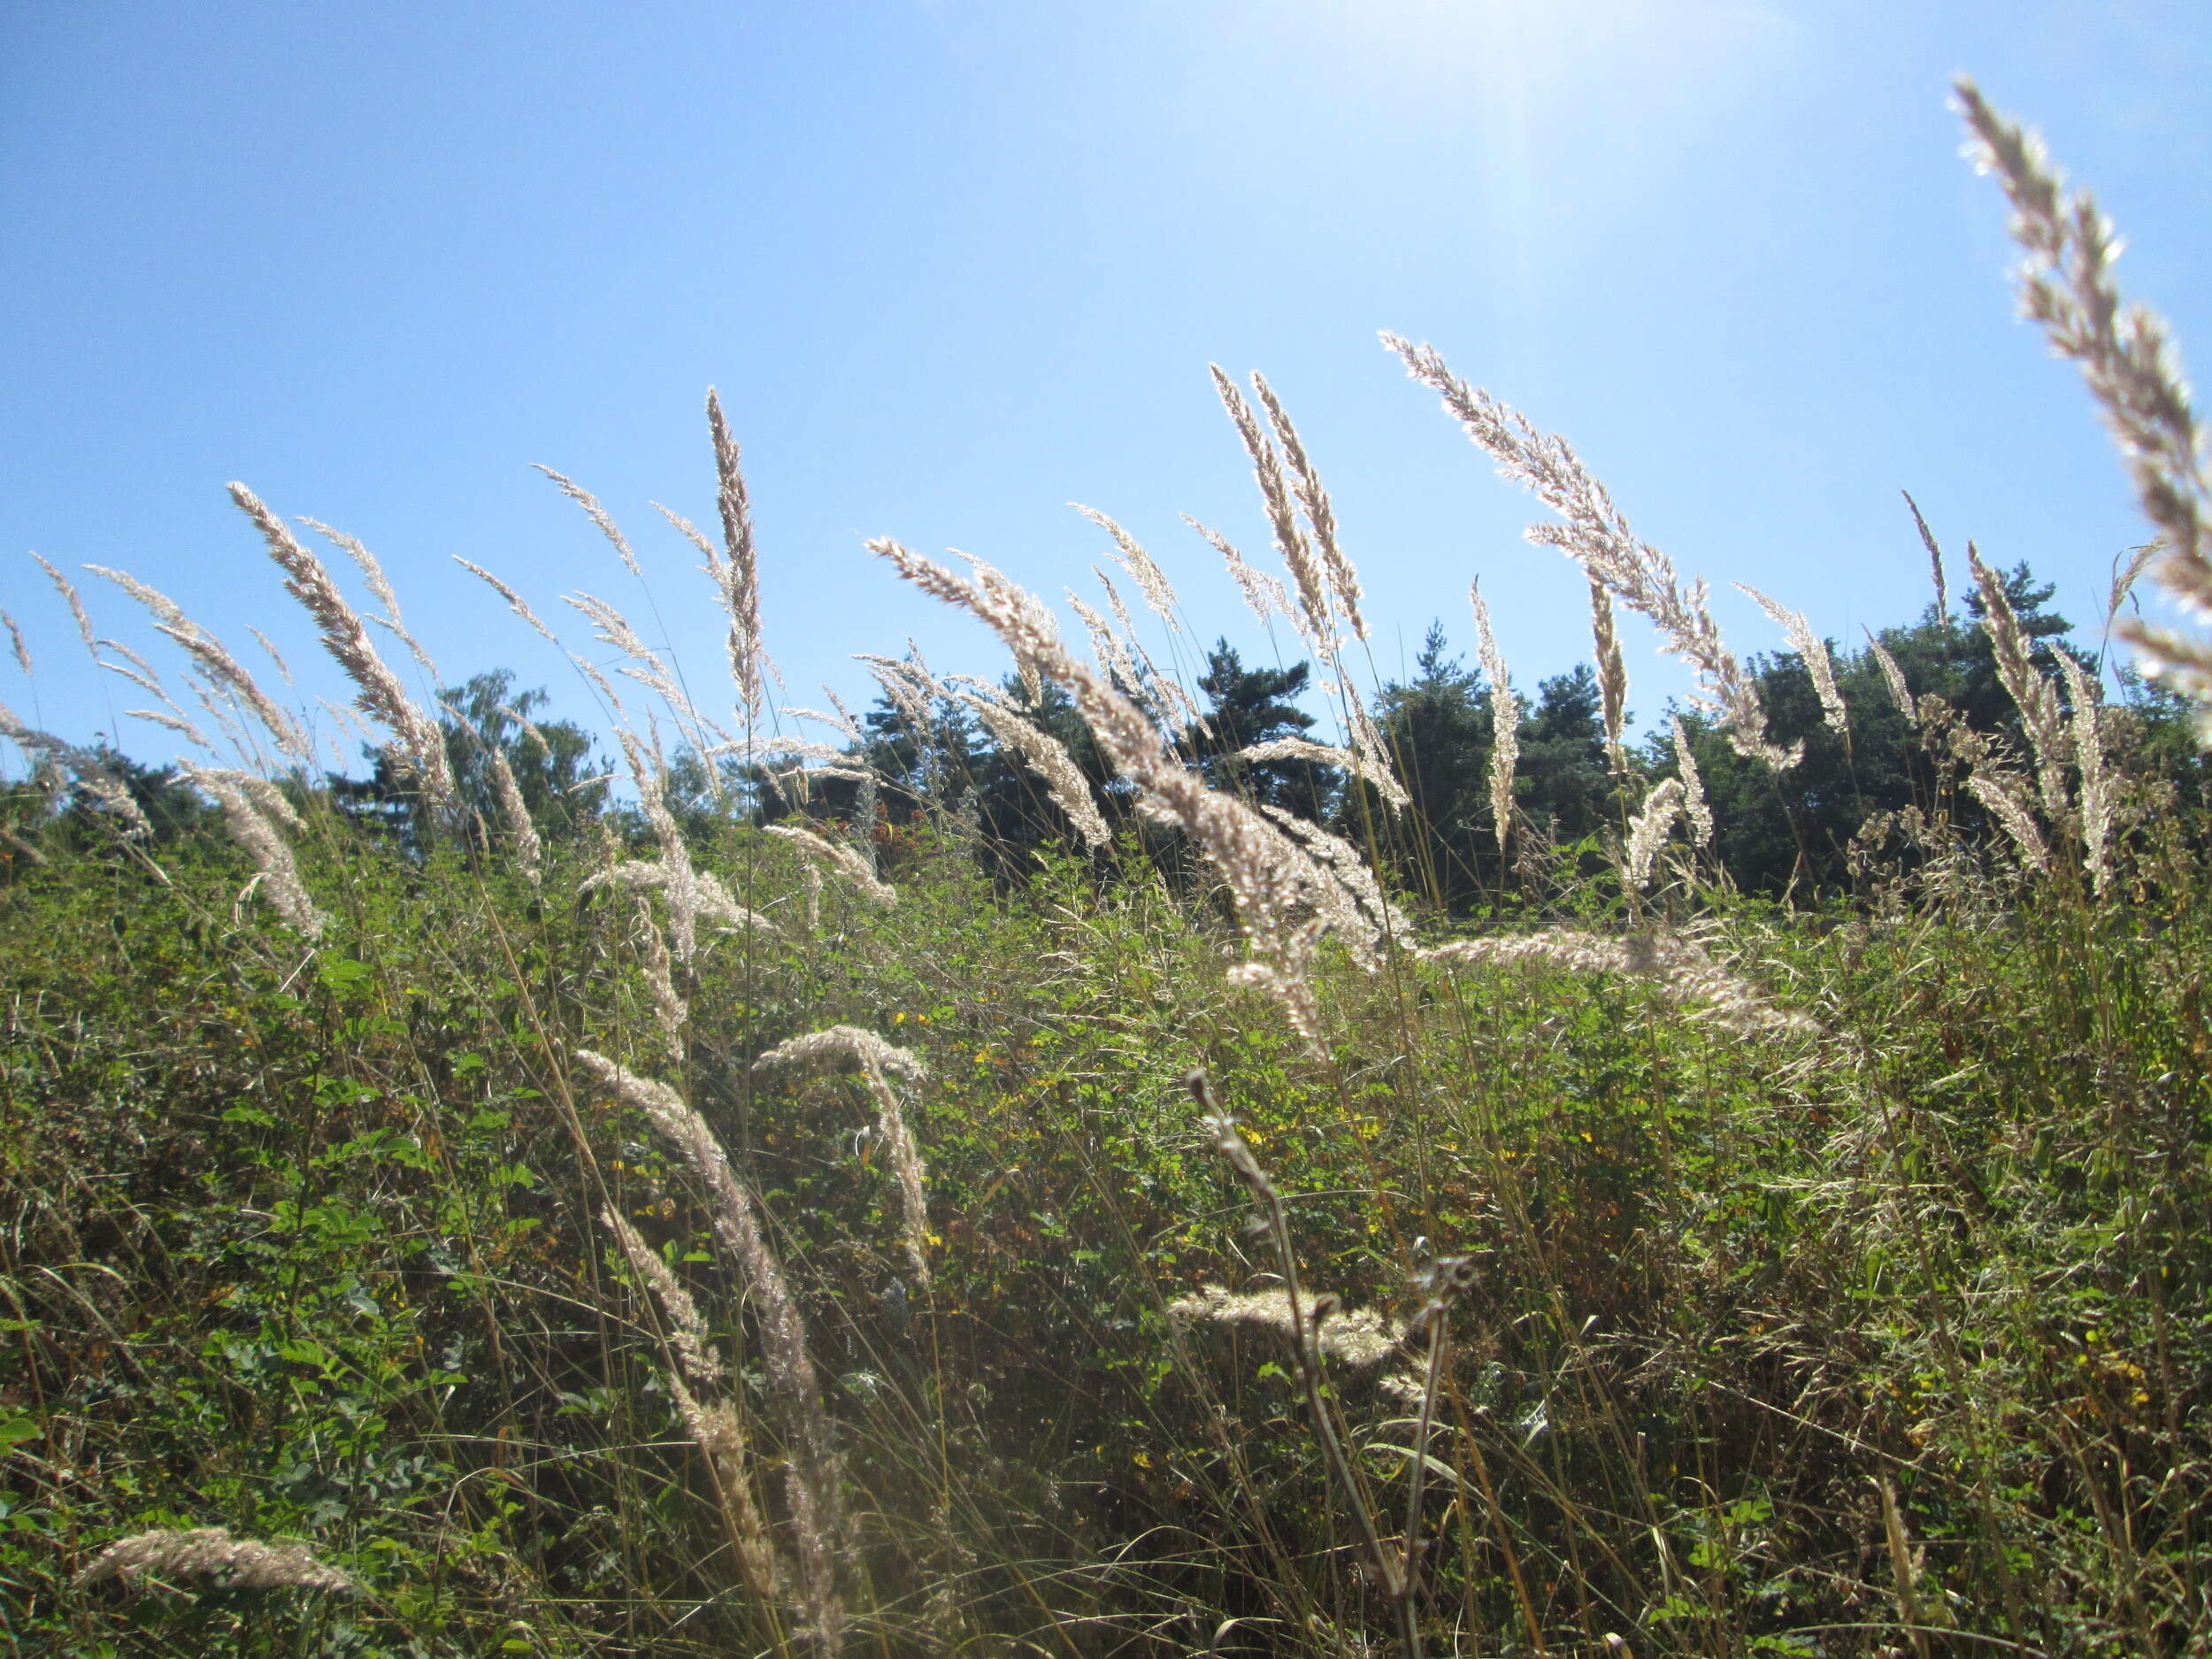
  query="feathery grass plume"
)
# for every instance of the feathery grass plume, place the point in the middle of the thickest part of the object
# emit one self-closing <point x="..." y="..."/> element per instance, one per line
<point x="177" y="722"/>
<point x="210" y="1552"/>
<point x="597" y="514"/>
<point x="669" y="1010"/>
<point x="1505" y="719"/>
<point x="267" y="799"/>
<point x="1144" y="569"/>
<point x="710" y="901"/>
<point x="68" y="590"/>
<point x="268" y="646"/>
<point x="1597" y="536"/>
<point x="1163" y="692"/>
<point x="2093" y="799"/>
<point x="611" y="628"/>
<point x="1359" y="1338"/>
<point x="713" y="1425"/>
<point x="417" y="749"/>
<point x="15" y="637"/>
<point x="2129" y="359"/>
<point x="1647" y="831"/>
<point x="515" y="601"/>
<point x="1612" y="673"/>
<point x="1894" y="677"/>
<point x="1935" y="560"/>
<point x="1315" y="619"/>
<point x="216" y="662"/>
<point x="279" y="879"/>
<point x="1693" y="804"/>
<point x="1271" y="880"/>
<point x="522" y="830"/>
<point x="2001" y="793"/>
<point x="679" y="881"/>
<point x="86" y="769"/>
<point x="737" y="574"/>
<point x="379" y="584"/>
<point x="1366" y="766"/>
<point x="837" y="856"/>
<point x="1370" y="917"/>
<point x="1678" y="969"/>
<point x="817" y="1503"/>
<point x="1263" y="592"/>
<point x="1305" y="483"/>
<point x="1814" y="649"/>
<point x="1048" y="757"/>
<point x="2125" y="574"/>
<point x="143" y="681"/>
<point x="2029" y="691"/>
<point x="877" y="1061"/>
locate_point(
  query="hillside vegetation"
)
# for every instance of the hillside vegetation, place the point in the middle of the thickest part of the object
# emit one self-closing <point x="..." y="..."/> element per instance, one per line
<point x="1081" y="1165"/>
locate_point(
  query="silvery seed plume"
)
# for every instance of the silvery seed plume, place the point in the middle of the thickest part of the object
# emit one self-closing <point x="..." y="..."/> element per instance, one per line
<point x="280" y="878"/>
<point x="597" y="514"/>
<point x="737" y="574"/>
<point x="1693" y="805"/>
<point x="1678" y="969"/>
<point x="268" y="646"/>
<point x="1505" y="711"/>
<point x="713" y="1426"/>
<point x="670" y="1011"/>
<point x="1344" y="590"/>
<point x="644" y="665"/>
<point x="1359" y="1338"/>
<point x="1353" y="904"/>
<point x="214" y="659"/>
<point x="86" y="769"/>
<point x="1314" y="617"/>
<point x="1612" y="673"/>
<point x="816" y="1499"/>
<point x="2002" y="796"/>
<point x="173" y="722"/>
<point x="877" y="1061"/>
<point x="2127" y="356"/>
<point x="679" y="881"/>
<point x="1364" y="766"/>
<point x="15" y="637"/>
<point x="68" y="591"/>
<point x="1648" y="830"/>
<point x="210" y="1552"/>
<point x="1048" y="759"/>
<point x="1935" y="560"/>
<point x="1271" y="881"/>
<point x="1263" y="592"/>
<point x="1597" y="535"/>
<point x="417" y="748"/>
<point x="838" y="857"/>
<point x="1894" y="677"/>
<point x="522" y="830"/>
<point x="2093" y="798"/>
<point x="1163" y="692"/>
<point x="515" y="601"/>
<point x="1814" y="651"/>
<point x="379" y="584"/>
<point x="2029" y="691"/>
<point x="1143" y="570"/>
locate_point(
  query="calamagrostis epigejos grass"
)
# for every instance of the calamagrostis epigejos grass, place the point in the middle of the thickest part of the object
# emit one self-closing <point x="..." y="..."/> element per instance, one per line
<point x="1612" y="673"/>
<point x="280" y="878"/>
<point x="210" y="1552"/>
<point x="15" y="638"/>
<point x="713" y="1424"/>
<point x="2133" y="371"/>
<point x="710" y="901"/>
<point x="875" y="1059"/>
<point x="1647" y="831"/>
<point x="1275" y="887"/>
<point x="1361" y="766"/>
<point x="516" y="602"/>
<point x="1677" y="968"/>
<point x="737" y="572"/>
<point x="68" y="590"/>
<point x="1814" y="651"/>
<point x="214" y="659"/>
<point x="2001" y="793"/>
<point x="522" y="830"/>
<point x="1358" y="1338"/>
<point x="89" y="772"/>
<point x="379" y="584"/>
<point x="1305" y="482"/>
<point x="1894" y="677"/>
<point x="1048" y="759"/>
<point x="2093" y="799"/>
<point x="1144" y="569"/>
<point x="838" y="857"/>
<point x="1597" y="535"/>
<point x="1693" y="804"/>
<point x="1935" y="561"/>
<point x="1263" y="591"/>
<point x="2029" y="691"/>
<point x="817" y="1501"/>
<point x="418" y="747"/>
<point x="1505" y="716"/>
<point x="597" y="514"/>
<point x="1315" y="616"/>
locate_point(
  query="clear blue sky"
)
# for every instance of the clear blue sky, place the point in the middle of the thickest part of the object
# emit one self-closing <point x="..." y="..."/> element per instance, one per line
<point x="955" y="263"/>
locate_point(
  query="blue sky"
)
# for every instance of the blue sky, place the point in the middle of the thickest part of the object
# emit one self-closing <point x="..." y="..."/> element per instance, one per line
<point x="956" y="263"/>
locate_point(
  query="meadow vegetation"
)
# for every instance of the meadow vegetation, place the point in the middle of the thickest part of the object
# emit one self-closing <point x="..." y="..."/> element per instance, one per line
<point x="1080" y="1164"/>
